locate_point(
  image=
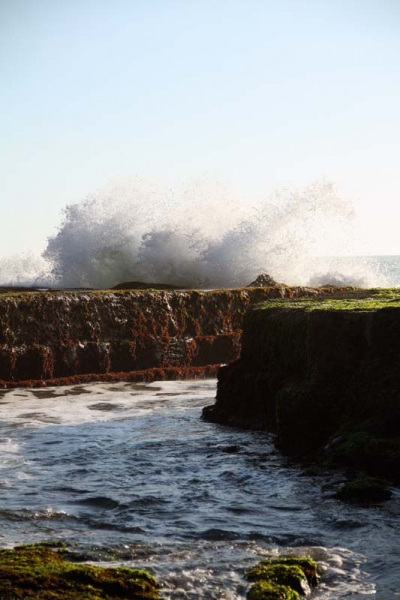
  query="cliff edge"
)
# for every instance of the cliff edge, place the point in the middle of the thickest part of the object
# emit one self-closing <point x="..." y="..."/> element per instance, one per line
<point x="324" y="376"/>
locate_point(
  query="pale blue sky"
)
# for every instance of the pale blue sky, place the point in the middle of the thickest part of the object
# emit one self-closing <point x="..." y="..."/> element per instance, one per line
<point x="256" y="94"/>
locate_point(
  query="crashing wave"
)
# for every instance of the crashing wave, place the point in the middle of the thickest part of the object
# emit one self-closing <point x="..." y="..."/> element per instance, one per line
<point x="198" y="236"/>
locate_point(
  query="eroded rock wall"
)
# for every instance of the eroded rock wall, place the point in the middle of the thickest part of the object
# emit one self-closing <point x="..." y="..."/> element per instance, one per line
<point x="45" y="336"/>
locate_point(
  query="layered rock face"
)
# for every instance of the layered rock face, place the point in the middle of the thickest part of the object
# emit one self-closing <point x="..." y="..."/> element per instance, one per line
<point x="47" y="336"/>
<point x="321" y="373"/>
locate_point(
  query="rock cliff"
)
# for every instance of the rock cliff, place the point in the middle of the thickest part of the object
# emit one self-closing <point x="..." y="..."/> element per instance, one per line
<point x="136" y="335"/>
<point x="324" y="375"/>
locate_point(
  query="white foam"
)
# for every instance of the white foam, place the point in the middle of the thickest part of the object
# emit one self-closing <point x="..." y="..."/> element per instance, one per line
<point x="93" y="403"/>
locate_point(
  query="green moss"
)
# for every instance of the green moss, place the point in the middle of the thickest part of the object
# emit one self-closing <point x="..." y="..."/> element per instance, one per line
<point x="289" y="575"/>
<point x="385" y="299"/>
<point x="52" y="544"/>
<point x="307" y="565"/>
<point x="26" y="571"/>
<point x="263" y="590"/>
<point x="283" y="577"/>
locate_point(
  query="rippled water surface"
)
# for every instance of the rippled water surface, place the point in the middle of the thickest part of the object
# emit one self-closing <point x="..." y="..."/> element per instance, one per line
<point x="133" y="476"/>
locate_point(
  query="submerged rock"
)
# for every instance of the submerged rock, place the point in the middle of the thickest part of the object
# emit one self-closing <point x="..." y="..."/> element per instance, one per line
<point x="364" y="490"/>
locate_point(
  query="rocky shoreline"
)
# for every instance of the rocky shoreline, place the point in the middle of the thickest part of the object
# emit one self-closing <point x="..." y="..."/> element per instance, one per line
<point x="320" y="367"/>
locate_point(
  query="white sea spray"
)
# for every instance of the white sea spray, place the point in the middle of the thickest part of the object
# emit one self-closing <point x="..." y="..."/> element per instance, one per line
<point x="198" y="235"/>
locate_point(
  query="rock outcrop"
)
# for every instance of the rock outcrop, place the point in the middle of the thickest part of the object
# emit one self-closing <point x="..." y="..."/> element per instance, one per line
<point x="324" y="375"/>
<point x="263" y="280"/>
<point x="133" y="335"/>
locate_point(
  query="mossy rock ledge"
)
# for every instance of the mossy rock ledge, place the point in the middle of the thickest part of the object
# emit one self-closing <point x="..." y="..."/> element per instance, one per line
<point x="41" y="572"/>
<point x="324" y="375"/>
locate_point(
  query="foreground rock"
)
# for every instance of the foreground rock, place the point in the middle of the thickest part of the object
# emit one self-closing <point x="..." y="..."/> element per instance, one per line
<point x="49" y="572"/>
<point x="325" y="376"/>
<point x="40" y="572"/>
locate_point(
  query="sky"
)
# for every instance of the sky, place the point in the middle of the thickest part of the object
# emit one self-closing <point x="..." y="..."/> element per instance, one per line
<point x="255" y="94"/>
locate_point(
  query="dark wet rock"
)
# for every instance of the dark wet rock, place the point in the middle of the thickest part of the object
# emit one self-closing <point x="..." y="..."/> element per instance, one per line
<point x="324" y="376"/>
<point x="364" y="490"/>
<point x="365" y="446"/>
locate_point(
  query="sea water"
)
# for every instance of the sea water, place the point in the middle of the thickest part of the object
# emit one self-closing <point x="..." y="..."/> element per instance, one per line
<point x="129" y="474"/>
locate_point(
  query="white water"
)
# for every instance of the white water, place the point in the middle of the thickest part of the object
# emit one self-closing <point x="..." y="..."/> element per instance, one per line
<point x="199" y="236"/>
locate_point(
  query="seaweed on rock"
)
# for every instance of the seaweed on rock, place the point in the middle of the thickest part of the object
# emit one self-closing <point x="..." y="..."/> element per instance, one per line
<point x="40" y="572"/>
<point x="262" y="590"/>
<point x="282" y="578"/>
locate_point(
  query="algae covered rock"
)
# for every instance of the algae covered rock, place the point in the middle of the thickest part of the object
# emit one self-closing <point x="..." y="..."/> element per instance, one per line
<point x="283" y="578"/>
<point x="364" y="490"/>
<point x="263" y="590"/>
<point x="40" y="572"/>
